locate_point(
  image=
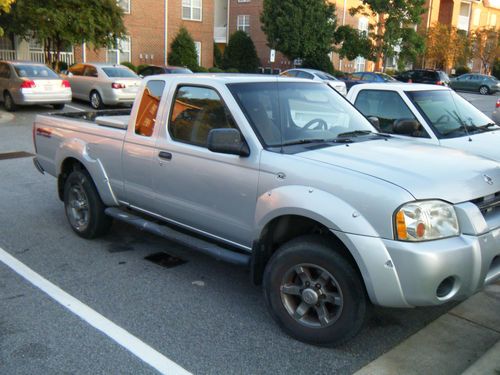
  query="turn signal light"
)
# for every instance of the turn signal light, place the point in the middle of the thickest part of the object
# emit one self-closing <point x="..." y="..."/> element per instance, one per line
<point x="401" y="226"/>
<point x="117" y="85"/>
<point x="28" y="84"/>
<point x="440" y="83"/>
<point x="498" y="103"/>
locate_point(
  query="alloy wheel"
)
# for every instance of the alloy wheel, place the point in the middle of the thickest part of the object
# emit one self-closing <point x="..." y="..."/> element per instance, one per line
<point x="78" y="208"/>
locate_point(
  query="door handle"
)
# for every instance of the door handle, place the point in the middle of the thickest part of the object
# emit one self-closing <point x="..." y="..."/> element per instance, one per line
<point x="165" y="155"/>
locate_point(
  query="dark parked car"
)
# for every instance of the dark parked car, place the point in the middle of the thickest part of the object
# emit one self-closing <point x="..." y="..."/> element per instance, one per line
<point x="156" y="69"/>
<point x="481" y="83"/>
<point x="366" y="77"/>
<point x="430" y="76"/>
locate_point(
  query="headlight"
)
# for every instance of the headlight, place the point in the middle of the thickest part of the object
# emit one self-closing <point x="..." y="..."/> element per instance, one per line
<point x="425" y="220"/>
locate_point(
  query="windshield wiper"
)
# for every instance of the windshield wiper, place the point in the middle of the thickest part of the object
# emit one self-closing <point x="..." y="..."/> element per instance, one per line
<point x="356" y="133"/>
<point x="305" y="141"/>
<point x="488" y="125"/>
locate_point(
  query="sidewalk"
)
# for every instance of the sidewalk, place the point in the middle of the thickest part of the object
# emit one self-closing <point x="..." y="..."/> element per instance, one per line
<point x="467" y="338"/>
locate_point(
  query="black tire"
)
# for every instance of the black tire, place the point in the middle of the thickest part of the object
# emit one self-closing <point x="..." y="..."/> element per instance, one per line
<point x="346" y="315"/>
<point x="484" y="90"/>
<point x="96" y="100"/>
<point x="8" y="102"/>
<point x="84" y="207"/>
<point x="58" y="106"/>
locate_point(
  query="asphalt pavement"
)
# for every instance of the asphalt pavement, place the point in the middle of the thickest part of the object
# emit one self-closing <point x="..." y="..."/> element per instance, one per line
<point x="203" y="315"/>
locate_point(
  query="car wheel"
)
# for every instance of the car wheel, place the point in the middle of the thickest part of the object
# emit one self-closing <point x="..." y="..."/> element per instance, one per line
<point x="314" y="294"/>
<point x="58" y="106"/>
<point x="9" y="102"/>
<point x="484" y="90"/>
<point x="96" y="100"/>
<point x="84" y="208"/>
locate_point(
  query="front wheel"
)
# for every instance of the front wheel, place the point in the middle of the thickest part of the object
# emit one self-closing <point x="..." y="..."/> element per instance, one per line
<point x="484" y="90"/>
<point x="314" y="293"/>
<point x="84" y="207"/>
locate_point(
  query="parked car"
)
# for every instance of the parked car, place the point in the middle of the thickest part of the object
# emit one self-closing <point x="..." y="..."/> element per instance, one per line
<point x="430" y="114"/>
<point x="496" y="112"/>
<point x="317" y="75"/>
<point x="28" y="83"/>
<point x="157" y="69"/>
<point x="285" y="177"/>
<point x="103" y="84"/>
<point x="481" y="83"/>
<point x="366" y="77"/>
<point x="429" y="76"/>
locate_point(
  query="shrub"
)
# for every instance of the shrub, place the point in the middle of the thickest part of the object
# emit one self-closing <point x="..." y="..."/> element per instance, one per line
<point x="199" y="69"/>
<point x="461" y="70"/>
<point x="232" y="70"/>
<point x="141" y="66"/>
<point x="183" y="51"/>
<point x="215" y="70"/>
<point x="218" y="59"/>
<point x="240" y="53"/>
<point x="129" y="65"/>
<point x="62" y="65"/>
<point x="319" y="62"/>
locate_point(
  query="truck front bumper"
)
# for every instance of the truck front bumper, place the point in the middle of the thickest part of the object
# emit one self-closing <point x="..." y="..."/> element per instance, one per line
<point x="406" y="274"/>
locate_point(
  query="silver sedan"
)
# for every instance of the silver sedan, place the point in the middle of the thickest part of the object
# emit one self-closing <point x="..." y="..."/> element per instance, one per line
<point x="496" y="113"/>
<point x="27" y="83"/>
<point x="103" y="84"/>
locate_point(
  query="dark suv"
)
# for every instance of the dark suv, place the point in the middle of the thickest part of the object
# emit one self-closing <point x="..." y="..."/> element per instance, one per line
<point x="434" y="77"/>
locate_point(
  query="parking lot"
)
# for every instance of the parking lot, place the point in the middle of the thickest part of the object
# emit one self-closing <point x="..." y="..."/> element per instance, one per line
<point x="200" y="315"/>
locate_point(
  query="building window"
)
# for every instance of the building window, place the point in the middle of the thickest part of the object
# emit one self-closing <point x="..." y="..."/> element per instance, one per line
<point x="125" y="5"/>
<point x="363" y="26"/>
<point x="243" y="1"/>
<point x="243" y="23"/>
<point x="477" y="16"/>
<point x="120" y="53"/>
<point x="191" y="10"/>
<point x="197" y="45"/>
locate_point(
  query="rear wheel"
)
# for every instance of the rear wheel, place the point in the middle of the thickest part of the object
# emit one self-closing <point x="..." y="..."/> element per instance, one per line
<point x="484" y="90"/>
<point x="314" y="293"/>
<point x="58" y="106"/>
<point x="84" y="208"/>
<point x="96" y="100"/>
<point x="9" y="102"/>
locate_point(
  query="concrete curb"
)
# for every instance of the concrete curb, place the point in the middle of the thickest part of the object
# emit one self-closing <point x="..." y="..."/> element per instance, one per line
<point x="488" y="364"/>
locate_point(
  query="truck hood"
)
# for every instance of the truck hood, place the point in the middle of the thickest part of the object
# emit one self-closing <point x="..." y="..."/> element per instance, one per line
<point x="482" y="144"/>
<point x="425" y="171"/>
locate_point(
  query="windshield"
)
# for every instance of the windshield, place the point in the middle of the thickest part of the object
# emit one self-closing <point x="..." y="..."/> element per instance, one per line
<point x="386" y="77"/>
<point x="119" y="73"/>
<point x="34" y="71"/>
<point x="450" y="114"/>
<point x="325" y="76"/>
<point x="288" y="113"/>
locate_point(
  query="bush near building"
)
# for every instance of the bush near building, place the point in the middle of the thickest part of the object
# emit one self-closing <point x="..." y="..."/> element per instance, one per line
<point x="217" y="57"/>
<point x="240" y="53"/>
<point x="130" y="66"/>
<point x="183" y="51"/>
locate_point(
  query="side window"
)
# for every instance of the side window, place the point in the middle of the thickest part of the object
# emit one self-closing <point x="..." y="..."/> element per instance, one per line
<point x="145" y="72"/>
<point x="388" y="106"/>
<point x="290" y="73"/>
<point x="195" y="112"/>
<point x="367" y="77"/>
<point x="76" y="70"/>
<point x="157" y="70"/>
<point x="90" y="71"/>
<point x="356" y="76"/>
<point x="301" y="74"/>
<point x="148" y="109"/>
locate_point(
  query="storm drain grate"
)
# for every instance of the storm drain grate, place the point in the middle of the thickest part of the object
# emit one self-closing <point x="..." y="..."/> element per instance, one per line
<point x="165" y="260"/>
<point x="15" y="155"/>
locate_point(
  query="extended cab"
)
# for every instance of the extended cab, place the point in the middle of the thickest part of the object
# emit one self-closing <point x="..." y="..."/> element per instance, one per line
<point x="428" y="113"/>
<point x="286" y="177"/>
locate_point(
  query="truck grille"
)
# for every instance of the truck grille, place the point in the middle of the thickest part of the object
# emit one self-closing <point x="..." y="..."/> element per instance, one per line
<point x="489" y="203"/>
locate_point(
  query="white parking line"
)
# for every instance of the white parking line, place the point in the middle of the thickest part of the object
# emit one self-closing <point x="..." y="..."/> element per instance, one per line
<point x="142" y="350"/>
<point x="78" y="109"/>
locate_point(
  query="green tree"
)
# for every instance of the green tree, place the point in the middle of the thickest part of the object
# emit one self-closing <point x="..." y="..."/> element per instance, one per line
<point x="217" y="57"/>
<point x="446" y="55"/>
<point x="183" y="50"/>
<point x="300" y="28"/>
<point x="485" y="45"/>
<point x="5" y="8"/>
<point x="353" y="43"/>
<point x="59" y="24"/>
<point x="394" y="29"/>
<point x="240" y="53"/>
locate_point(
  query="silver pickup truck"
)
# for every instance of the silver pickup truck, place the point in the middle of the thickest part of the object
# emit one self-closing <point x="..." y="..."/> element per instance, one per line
<point x="284" y="176"/>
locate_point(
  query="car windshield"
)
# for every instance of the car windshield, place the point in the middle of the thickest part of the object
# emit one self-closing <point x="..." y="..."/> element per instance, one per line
<point x="293" y="113"/>
<point x="386" y="77"/>
<point x="34" y="71"/>
<point x="119" y="73"/>
<point x="451" y="115"/>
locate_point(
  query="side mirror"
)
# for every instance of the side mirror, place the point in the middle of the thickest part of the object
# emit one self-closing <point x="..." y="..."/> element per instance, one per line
<point x="375" y="122"/>
<point x="405" y="126"/>
<point x="227" y="141"/>
<point x="141" y="76"/>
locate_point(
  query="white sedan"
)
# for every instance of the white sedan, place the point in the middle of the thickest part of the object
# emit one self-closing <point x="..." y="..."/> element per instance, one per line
<point x="428" y="113"/>
<point x="317" y="75"/>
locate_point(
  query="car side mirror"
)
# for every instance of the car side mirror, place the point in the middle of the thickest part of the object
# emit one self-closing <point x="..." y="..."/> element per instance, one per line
<point x="140" y="76"/>
<point x="405" y="126"/>
<point x="375" y="122"/>
<point x="227" y="141"/>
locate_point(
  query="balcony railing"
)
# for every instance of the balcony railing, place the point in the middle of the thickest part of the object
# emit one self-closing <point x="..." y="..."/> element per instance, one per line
<point x="39" y="56"/>
<point x="220" y="34"/>
<point x="7" y="54"/>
